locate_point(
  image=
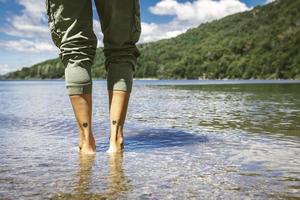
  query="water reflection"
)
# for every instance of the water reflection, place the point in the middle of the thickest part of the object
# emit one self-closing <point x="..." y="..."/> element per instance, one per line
<point x="116" y="180"/>
<point x="117" y="183"/>
<point x="86" y="163"/>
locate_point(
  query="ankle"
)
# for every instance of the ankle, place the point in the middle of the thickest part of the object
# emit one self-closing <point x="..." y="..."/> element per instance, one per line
<point x="89" y="138"/>
<point x="118" y="142"/>
<point x="88" y="149"/>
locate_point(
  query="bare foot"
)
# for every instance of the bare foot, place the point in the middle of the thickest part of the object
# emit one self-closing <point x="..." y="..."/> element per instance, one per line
<point x="116" y="144"/>
<point x="88" y="146"/>
<point x="81" y="140"/>
<point x="115" y="149"/>
<point x="88" y="149"/>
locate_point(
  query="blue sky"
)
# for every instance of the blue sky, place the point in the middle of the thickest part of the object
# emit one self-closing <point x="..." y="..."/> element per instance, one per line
<point x="25" y="39"/>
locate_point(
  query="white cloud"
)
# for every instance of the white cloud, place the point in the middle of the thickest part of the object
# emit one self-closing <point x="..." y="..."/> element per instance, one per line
<point x="31" y="23"/>
<point x="269" y="1"/>
<point x="27" y="46"/>
<point x="187" y="15"/>
<point x="98" y="32"/>
<point x="198" y="11"/>
<point x="4" y="68"/>
<point x="30" y="28"/>
<point x="152" y="32"/>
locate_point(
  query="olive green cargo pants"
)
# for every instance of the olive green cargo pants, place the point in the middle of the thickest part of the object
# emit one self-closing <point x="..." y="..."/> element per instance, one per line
<point x="71" y="26"/>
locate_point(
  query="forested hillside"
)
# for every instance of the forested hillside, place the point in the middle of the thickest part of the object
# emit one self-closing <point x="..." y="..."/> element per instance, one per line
<point x="263" y="43"/>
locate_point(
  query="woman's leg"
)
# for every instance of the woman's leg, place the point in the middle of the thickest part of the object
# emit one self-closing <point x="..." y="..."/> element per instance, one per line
<point x="120" y="23"/>
<point x="82" y="107"/>
<point x="71" y="27"/>
<point x="120" y="78"/>
<point x="118" y="103"/>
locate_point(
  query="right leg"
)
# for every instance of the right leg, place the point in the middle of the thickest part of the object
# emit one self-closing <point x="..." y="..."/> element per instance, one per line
<point x="71" y="28"/>
<point x="121" y="27"/>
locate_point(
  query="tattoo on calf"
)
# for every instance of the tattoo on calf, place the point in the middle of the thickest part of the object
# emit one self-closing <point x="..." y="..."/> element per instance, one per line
<point x="85" y="124"/>
<point x="114" y="122"/>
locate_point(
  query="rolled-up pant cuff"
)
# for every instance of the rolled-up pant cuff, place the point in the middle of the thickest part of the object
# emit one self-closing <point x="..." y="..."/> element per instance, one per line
<point x="79" y="89"/>
<point x="120" y="77"/>
<point x="78" y="77"/>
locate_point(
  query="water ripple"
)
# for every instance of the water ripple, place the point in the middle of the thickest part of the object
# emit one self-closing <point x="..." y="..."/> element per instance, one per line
<point x="181" y="142"/>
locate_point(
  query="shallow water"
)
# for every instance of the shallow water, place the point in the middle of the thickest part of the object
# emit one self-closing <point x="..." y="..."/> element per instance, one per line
<point x="184" y="140"/>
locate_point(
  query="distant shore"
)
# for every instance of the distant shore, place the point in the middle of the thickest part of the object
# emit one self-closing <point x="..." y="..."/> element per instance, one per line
<point x="193" y="81"/>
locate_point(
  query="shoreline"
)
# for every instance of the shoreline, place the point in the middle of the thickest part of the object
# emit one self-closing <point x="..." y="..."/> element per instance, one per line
<point x="157" y="79"/>
<point x="162" y="82"/>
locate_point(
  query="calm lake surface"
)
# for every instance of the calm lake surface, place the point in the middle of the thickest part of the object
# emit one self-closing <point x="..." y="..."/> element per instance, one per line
<point x="184" y="140"/>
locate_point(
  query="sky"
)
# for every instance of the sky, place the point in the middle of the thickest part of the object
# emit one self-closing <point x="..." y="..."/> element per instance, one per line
<point x="25" y="38"/>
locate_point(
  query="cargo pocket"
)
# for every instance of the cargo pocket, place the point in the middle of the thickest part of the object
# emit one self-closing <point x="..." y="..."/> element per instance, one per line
<point x="52" y="26"/>
<point x="136" y="32"/>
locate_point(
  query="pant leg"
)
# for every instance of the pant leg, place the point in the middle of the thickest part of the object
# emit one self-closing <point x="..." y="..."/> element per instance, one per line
<point x="71" y="26"/>
<point x="121" y="27"/>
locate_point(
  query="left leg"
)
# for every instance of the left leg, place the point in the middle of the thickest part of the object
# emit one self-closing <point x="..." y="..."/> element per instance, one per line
<point x="82" y="107"/>
<point x="71" y="26"/>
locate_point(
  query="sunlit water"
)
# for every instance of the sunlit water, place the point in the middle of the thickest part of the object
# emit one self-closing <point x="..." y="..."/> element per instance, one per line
<point x="225" y="140"/>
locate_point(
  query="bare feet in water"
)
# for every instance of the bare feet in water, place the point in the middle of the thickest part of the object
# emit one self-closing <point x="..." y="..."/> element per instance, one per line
<point x="81" y="139"/>
<point x="118" y="103"/>
<point x="88" y="148"/>
<point x="87" y="144"/>
<point x="116" y="141"/>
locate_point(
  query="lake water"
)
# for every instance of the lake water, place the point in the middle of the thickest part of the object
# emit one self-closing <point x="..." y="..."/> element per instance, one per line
<point x="183" y="140"/>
